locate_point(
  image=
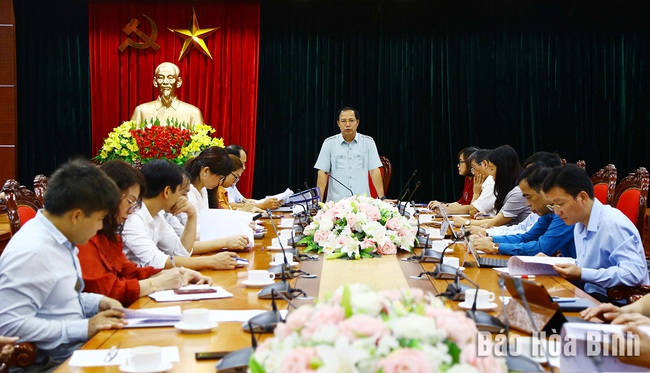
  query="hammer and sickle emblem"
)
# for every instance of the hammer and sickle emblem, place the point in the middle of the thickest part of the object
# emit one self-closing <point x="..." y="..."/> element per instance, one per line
<point x="149" y="41"/>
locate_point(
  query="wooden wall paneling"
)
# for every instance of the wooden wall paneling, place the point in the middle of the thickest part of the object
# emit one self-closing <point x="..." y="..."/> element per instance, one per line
<point x="8" y="114"/>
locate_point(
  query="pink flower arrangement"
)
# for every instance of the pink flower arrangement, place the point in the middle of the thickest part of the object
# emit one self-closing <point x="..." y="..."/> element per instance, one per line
<point x="359" y="330"/>
<point x="359" y="227"/>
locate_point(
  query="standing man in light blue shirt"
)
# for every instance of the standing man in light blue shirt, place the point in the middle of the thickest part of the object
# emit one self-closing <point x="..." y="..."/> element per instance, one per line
<point x="40" y="277"/>
<point x="348" y="157"/>
<point x="608" y="245"/>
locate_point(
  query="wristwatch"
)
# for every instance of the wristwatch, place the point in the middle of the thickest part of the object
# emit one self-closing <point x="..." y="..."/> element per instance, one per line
<point x="382" y="198"/>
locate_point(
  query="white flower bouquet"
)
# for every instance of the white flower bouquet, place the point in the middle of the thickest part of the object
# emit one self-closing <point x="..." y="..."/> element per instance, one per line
<point x="359" y="227"/>
<point x="359" y="330"/>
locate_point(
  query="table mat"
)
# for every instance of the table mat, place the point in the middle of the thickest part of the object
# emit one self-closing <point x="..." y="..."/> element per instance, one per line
<point x="378" y="273"/>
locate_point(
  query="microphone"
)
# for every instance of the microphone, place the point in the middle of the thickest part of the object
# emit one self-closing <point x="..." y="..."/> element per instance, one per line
<point x="345" y="186"/>
<point x="517" y="363"/>
<point x="284" y="286"/>
<point x="237" y="361"/>
<point x="433" y="256"/>
<point x="456" y="290"/>
<point x="483" y="320"/>
<point x="519" y="286"/>
<point x="399" y="195"/>
<point x="414" y="189"/>
<point x="264" y="322"/>
<point x="445" y="271"/>
<point x="399" y="203"/>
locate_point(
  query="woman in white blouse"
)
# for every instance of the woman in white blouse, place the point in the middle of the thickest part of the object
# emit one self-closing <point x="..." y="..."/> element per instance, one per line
<point x="207" y="171"/>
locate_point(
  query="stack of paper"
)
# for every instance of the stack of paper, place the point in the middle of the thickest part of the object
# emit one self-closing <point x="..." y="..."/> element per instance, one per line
<point x="97" y="358"/>
<point x="151" y="317"/>
<point x="534" y="265"/>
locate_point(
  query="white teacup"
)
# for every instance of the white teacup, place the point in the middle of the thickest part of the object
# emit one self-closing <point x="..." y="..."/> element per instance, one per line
<point x="279" y="258"/>
<point x="286" y="222"/>
<point x="260" y="276"/>
<point x="196" y="316"/>
<point x="426" y="218"/>
<point x="483" y="298"/>
<point x="145" y="358"/>
<point x="451" y="261"/>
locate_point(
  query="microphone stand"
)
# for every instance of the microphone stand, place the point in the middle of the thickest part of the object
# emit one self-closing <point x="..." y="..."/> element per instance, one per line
<point x="237" y="361"/>
<point x="399" y="201"/>
<point x="484" y="321"/>
<point x="283" y="286"/>
<point x="445" y="271"/>
<point x="267" y="321"/>
<point x="522" y="294"/>
<point x="517" y="363"/>
<point x="345" y="186"/>
<point x="399" y="195"/>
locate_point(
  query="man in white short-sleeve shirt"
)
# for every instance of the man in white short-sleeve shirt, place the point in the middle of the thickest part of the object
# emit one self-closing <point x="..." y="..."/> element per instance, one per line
<point x="348" y="157"/>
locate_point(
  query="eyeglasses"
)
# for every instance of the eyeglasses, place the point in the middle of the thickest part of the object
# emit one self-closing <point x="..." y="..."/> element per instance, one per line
<point x="133" y="204"/>
<point x="344" y="121"/>
<point x="235" y="176"/>
<point x="553" y="207"/>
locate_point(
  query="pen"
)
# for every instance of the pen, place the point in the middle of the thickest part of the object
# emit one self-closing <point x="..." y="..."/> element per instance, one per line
<point x="564" y="300"/>
<point x="171" y="259"/>
<point x="525" y="276"/>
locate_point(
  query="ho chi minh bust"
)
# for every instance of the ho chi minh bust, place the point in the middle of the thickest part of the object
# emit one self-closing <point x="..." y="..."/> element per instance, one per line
<point x="167" y="106"/>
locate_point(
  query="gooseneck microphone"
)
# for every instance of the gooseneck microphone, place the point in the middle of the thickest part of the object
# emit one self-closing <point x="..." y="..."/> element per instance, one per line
<point x="445" y="271"/>
<point x="519" y="363"/>
<point x="483" y="320"/>
<point x="278" y="287"/>
<point x="399" y="195"/>
<point x="237" y="361"/>
<point x="267" y="321"/>
<point x="399" y="202"/>
<point x="413" y="192"/>
<point x="345" y="186"/>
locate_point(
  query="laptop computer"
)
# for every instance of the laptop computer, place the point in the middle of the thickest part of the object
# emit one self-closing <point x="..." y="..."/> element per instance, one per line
<point x="484" y="262"/>
<point x="536" y="293"/>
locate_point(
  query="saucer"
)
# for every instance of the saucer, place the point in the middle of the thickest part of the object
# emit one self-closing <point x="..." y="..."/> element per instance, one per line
<point x="163" y="367"/>
<point x="277" y="248"/>
<point x="278" y="263"/>
<point x="285" y="226"/>
<point x="468" y="306"/>
<point x="195" y="329"/>
<point x="257" y="284"/>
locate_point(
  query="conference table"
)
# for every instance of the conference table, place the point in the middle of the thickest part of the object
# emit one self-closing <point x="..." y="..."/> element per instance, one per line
<point x="229" y="336"/>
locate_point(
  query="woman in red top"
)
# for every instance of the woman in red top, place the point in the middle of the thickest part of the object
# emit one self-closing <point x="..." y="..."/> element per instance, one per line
<point x="105" y="268"/>
<point x="464" y="169"/>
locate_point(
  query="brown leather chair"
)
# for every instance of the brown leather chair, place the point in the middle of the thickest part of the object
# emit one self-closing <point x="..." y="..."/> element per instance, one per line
<point x="630" y="294"/>
<point x="24" y="355"/>
<point x="21" y="204"/>
<point x="582" y="164"/>
<point x="605" y="184"/>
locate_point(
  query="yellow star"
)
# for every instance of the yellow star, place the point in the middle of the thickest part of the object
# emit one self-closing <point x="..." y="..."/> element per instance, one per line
<point x="193" y="37"/>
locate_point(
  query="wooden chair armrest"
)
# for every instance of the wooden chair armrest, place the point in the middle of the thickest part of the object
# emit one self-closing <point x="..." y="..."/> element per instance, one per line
<point x="24" y="354"/>
<point x="629" y="293"/>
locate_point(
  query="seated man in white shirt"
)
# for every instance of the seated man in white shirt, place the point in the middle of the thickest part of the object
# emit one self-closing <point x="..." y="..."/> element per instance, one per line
<point x="41" y="298"/>
<point x="149" y="240"/>
<point x="236" y="199"/>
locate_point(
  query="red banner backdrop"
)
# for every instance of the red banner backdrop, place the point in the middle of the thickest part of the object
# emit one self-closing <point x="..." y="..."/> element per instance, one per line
<point x="224" y="88"/>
